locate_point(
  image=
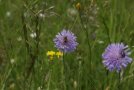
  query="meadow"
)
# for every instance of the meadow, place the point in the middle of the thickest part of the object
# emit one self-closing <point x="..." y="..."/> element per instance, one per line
<point x="27" y="32"/>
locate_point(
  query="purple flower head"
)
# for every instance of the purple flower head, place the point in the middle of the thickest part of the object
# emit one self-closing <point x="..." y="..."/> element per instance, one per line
<point x="116" y="57"/>
<point x="65" y="41"/>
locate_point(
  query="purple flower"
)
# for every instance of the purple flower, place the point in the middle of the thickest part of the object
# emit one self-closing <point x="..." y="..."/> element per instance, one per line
<point x="116" y="57"/>
<point x="65" y="41"/>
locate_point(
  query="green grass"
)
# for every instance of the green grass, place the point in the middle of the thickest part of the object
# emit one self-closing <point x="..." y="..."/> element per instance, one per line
<point x="102" y="22"/>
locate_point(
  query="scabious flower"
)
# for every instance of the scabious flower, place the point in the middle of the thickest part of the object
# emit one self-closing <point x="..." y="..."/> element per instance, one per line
<point x="51" y="54"/>
<point x="65" y="41"/>
<point x="116" y="57"/>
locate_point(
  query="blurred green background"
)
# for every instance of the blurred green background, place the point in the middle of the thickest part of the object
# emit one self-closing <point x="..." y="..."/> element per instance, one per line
<point x="27" y="30"/>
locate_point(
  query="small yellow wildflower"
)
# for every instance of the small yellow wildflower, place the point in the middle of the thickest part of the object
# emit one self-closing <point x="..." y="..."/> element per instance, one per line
<point x="78" y="6"/>
<point x="59" y="54"/>
<point x="50" y="54"/>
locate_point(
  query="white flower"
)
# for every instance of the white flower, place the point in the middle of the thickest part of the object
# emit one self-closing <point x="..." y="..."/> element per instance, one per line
<point x="75" y="84"/>
<point x="72" y="12"/>
<point x="8" y="14"/>
<point x="19" y="39"/>
<point x="39" y="88"/>
<point x="12" y="61"/>
<point x="41" y="15"/>
<point x="100" y="42"/>
<point x="33" y="35"/>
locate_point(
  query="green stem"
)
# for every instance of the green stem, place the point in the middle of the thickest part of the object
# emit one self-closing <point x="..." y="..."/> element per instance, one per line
<point x="108" y="34"/>
<point x="63" y="72"/>
<point x="119" y="84"/>
<point x="107" y="29"/>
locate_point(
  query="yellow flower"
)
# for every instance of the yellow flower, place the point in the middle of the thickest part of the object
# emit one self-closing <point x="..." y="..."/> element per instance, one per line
<point x="78" y="6"/>
<point x="59" y="54"/>
<point x="50" y="54"/>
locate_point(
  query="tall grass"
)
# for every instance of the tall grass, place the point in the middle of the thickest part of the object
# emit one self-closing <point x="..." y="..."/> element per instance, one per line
<point x="23" y="61"/>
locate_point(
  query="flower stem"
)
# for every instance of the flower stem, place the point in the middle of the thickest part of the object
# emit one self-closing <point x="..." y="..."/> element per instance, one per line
<point x="63" y="72"/>
<point x="119" y="84"/>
